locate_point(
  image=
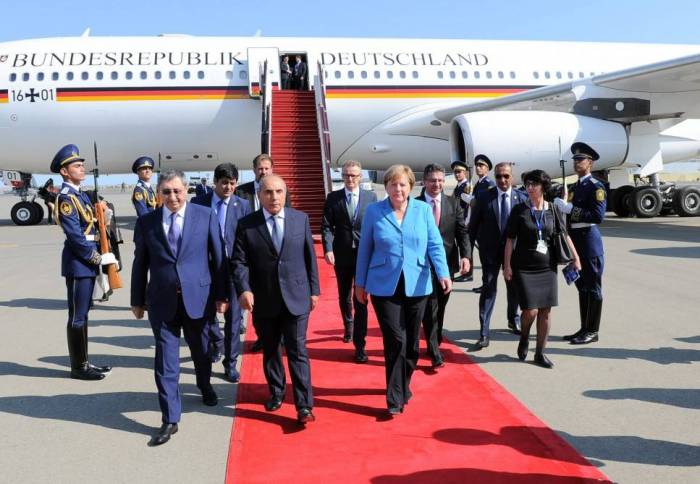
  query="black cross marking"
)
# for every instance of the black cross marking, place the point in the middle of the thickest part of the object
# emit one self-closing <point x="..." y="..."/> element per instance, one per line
<point x="32" y="95"/>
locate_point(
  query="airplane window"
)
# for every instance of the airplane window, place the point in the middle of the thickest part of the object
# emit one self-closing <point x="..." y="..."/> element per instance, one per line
<point x="144" y="75"/>
<point x="40" y="76"/>
<point x="489" y="75"/>
<point x="13" y="77"/>
<point x="351" y="74"/>
<point x="337" y="74"/>
<point x="452" y="74"/>
<point x="54" y="76"/>
<point x="376" y="74"/>
<point x="25" y="76"/>
<point x="69" y="76"/>
<point x="415" y="74"/>
<point x="114" y="75"/>
<point x="440" y="75"/>
<point x="546" y="75"/>
<point x="558" y="75"/>
<point x="229" y="74"/>
<point x="200" y="74"/>
<point x="186" y="74"/>
<point x="592" y="74"/>
<point x="129" y="75"/>
<point x="243" y="75"/>
<point x="512" y="74"/>
<point x="500" y="74"/>
<point x="363" y="74"/>
<point x="325" y="74"/>
<point x="99" y="75"/>
<point x="402" y="74"/>
<point x="158" y="75"/>
<point x="581" y="75"/>
<point x="477" y="74"/>
<point x="84" y="76"/>
<point x="172" y="75"/>
<point x="389" y="74"/>
<point x="536" y="75"/>
<point x="464" y="74"/>
<point x="570" y="75"/>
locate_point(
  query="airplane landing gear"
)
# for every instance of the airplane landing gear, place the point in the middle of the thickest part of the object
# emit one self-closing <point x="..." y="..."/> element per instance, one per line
<point x="27" y="213"/>
<point x="656" y="199"/>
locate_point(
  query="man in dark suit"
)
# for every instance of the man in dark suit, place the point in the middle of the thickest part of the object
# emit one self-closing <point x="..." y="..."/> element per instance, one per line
<point x="178" y="272"/>
<point x="449" y="217"/>
<point x="482" y="166"/>
<point x="202" y="188"/>
<point x="262" y="166"/>
<point x="300" y="73"/>
<point x="340" y="233"/>
<point x="487" y="226"/>
<point x="229" y="209"/>
<point x="275" y="272"/>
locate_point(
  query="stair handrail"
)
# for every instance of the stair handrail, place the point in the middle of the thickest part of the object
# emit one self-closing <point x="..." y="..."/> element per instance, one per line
<point x="324" y="133"/>
<point x="266" y="106"/>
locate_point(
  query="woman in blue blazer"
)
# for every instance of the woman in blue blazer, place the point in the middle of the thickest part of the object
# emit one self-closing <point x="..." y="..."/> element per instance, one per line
<point x="399" y="242"/>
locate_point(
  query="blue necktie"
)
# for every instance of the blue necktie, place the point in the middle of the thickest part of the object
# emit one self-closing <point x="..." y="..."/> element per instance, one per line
<point x="504" y="211"/>
<point x="221" y="215"/>
<point x="276" y="234"/>
<point x="351" y="206"/>
<point x="174" y="234"/>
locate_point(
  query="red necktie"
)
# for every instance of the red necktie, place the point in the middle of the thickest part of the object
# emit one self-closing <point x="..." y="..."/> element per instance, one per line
<point x="436" y="211"/>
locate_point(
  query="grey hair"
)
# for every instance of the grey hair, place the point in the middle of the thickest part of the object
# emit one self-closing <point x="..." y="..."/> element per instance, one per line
<point x="169" y="174"/>
<point x="351" y="163"/>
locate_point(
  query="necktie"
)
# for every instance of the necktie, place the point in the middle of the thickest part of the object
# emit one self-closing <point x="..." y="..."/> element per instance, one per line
<point x="276" y="234"/>
<point x="436" y="211"/>
<point x="351" y="206"/>
<point x="504" y="211"/>
<point x="221" y="215"/>
<point x="174" y="234"/>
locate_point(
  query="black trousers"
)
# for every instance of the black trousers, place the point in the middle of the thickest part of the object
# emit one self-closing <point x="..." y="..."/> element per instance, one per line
<point x="347" y="302"/>
<point x="433" y="319"/>
<point x="294" y="330"/>
<point x="399" y="319"/>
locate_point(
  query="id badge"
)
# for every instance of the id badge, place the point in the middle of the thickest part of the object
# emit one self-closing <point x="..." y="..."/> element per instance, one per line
<point x="541" y="247"/>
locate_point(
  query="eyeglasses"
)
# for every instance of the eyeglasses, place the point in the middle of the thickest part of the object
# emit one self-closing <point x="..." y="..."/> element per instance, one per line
<point x="506" y="177"/>
<point x="168" y="191"/>
<point x="531" y="184"/>
<point x="348" y="175"/>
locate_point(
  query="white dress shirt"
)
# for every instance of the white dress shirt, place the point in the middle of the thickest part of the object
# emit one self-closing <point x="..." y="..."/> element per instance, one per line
<point x="179" y="219"/>
<point x="280" y="221"/>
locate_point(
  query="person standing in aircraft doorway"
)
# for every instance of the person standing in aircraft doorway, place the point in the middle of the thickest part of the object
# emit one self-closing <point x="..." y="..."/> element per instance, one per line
<point x="300" y="74"/>
<point x="285" y="72"/>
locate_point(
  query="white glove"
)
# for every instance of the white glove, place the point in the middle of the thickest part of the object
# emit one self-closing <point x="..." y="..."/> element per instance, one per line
<point x="563" y="206"/>
<point x="107" y="258"/>
<point x="466" y="198"/>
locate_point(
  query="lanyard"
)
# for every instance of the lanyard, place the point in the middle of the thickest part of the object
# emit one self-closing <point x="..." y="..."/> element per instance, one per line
<point x="538" y="221"/>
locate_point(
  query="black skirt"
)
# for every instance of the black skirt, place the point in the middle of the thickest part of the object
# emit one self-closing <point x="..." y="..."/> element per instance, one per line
<point x="536" y="288"/>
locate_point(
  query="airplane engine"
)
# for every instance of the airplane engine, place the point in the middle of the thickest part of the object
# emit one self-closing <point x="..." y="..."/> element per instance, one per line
<point x="535" y="139"/>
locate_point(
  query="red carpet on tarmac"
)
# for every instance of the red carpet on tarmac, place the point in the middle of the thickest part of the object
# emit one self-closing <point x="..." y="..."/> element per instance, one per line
<point x="460" y="426"/>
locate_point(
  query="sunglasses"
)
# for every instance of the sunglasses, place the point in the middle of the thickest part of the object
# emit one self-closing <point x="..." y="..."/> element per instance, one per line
<point x="506" y="177"/>
<point x="168" y="191"/>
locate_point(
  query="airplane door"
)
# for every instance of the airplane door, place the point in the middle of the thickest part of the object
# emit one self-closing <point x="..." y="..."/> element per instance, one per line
<point x="256" y="59"/>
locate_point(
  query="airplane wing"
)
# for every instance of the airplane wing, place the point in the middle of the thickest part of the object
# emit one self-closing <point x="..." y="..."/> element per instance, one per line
<point x="668" y="89"/>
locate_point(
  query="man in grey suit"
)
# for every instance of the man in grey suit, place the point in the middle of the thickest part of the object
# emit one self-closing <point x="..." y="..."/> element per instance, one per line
<point x="274" y="264"/>
<point x="341" y="227"/>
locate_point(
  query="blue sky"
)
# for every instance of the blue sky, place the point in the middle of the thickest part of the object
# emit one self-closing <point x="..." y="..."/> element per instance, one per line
<point x="593" y="20"/>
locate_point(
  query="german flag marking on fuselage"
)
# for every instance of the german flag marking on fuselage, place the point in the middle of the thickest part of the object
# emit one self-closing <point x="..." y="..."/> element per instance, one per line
<point x="3" y="96"/>
<point x="397" y="92"/>
<point x="151" y="93"/>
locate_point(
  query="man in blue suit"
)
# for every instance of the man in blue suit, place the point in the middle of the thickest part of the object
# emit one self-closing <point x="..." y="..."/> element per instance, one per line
<point x="275" y="272"/>
<point x="229" y="209"/>
<point x="487" y="226"/>
<point x="179" y="270"/>
<point x="202" y="188"/>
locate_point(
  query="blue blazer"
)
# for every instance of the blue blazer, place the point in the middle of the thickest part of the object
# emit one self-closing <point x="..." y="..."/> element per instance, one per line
<point x="237" y="209"/>
<point x="198" y="266"/>
<point x="387" y="249"/>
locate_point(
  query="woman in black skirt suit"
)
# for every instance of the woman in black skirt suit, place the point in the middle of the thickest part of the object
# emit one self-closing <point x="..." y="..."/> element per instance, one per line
<point x="529" y="260"/>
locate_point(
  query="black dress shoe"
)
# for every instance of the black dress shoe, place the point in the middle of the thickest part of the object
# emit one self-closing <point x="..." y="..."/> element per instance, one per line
<point x="438" y="363"/>
<point x="257" y="346"/>
<point x="86" y="373"/>
<point x="464" y="278"/>
<point x="305" y="415"/>
<point x="215" y="355"/>
<point x="514" y="327"/>
<point x="166" y="431"/>
<point x="477" y="289"/>
<point x="274" y="403"/>
<point x="395" y="411"/>
<point x="209" y="397"/>
<point x="361" y="357"/>
<point x="543" y="361"/>
<point x="522" y="348"/>
<point x="347" y="338"/>
<point x="101" y="369"/>
<point x="483" y="342"/>
<point x="585" y="338"/>
<point x="232" y="375"/>
<point x="575" y="335"/>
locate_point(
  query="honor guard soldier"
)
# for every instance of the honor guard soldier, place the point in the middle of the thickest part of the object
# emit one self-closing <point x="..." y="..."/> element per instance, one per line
<point x="143" y="198"/>
<point x="482" y="167"/>
<point x="80" y="259"/>
<point x="586" y="205"/>
<point x="463" y="193"/>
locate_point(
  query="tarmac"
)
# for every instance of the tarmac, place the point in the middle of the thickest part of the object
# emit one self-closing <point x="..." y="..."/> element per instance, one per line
<point x="629" y="403"/>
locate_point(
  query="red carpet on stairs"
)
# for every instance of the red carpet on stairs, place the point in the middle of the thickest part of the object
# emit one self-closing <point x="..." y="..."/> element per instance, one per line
<point x="461" y="426"/>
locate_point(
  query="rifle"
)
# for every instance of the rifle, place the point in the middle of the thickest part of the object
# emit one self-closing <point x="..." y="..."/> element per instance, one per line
<point x="159" y="201"/>
<point x="565" y="190"/>
<point x="115" y="281"/>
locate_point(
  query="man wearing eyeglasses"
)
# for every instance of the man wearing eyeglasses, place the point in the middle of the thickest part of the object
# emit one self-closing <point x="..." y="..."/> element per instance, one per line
<point x="342" y="223"/>
<point x="178" y="272"/>
<point x="487" y="226"/>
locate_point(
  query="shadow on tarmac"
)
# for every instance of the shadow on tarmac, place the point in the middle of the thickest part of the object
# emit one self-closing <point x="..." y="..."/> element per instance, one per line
<point x="117" y="362"/>
<point x="689" y="339"/>
<point x="662" y="356"/>
<point x="52" y="304"/>
<point x="479" y="475"/>
<point x="677" y="397"/>
<point x="669" y="230"/>
<point x="673" y="252"/>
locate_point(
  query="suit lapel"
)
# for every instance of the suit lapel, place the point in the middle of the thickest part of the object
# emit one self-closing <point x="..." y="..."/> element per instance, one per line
<point x="443" y="210"/>
<point x="262" y="228"/>
<point x="494" y="206"/>
<point x="389" y="214"/>
<point x="188" y="225"/>
<point x="160" y="231"/>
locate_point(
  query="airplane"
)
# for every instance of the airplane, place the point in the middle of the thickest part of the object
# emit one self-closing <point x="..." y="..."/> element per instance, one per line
<point x="196" y="101"/>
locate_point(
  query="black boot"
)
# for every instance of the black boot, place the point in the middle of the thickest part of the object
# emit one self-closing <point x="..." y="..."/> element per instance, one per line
<point x="101" y="369"/>
<point x="79" y="366"/>
<point x="583" y="304"/>
<point x="595" y="307"/>
<point x="347" y="336"/>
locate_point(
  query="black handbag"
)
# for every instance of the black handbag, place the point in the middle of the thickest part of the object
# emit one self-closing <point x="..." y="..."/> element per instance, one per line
<point x="561" y="251"/>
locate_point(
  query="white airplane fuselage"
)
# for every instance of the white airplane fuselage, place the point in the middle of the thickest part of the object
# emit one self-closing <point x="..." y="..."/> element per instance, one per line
<point x="187" y="98"/>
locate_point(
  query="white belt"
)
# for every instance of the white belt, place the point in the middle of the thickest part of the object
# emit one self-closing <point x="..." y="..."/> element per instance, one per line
<point x="581" y="225"/>
<point x="92" y="238"/>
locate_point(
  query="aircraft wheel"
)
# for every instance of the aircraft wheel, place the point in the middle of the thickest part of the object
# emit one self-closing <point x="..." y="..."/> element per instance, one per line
<point x="620" y="199"/>
<point x="686" y="201"/>
<point x="23" y="213"/>
<point x="646" y="202"/>
<point x="38" y="213"/>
